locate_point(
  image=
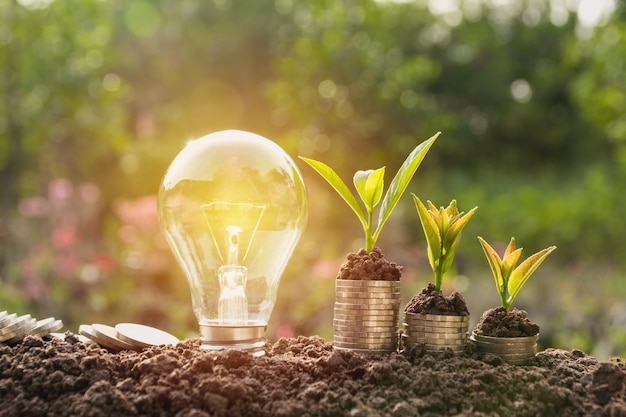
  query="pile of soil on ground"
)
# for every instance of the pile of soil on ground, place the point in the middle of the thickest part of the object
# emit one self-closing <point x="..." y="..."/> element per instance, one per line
<point x="497" y="322"/>
<point x="431" y="301"/>
<point x="369" y="267"/>
<point x="303" y="376"/>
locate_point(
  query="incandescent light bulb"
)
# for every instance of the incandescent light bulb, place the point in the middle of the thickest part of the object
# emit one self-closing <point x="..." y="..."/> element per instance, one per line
<point x="232" y="206"/>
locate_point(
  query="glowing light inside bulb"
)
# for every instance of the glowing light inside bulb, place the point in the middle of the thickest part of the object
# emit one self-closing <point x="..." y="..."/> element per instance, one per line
<point x="232" y="206"/>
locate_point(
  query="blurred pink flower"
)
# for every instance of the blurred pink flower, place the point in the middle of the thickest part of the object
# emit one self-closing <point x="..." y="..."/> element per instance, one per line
<point x="65" y="263"/>
<point x="65" y="237"/>
<point x="141" y="212"/>
<point x="284" y="330"/>
<point x="35" y="289"/>
<point x="34" y="207"/>
<point x="60" y="191"/>
<point x="104" y="262"/>
<point x="324" y="269"/>
<point x="89" y="193"/>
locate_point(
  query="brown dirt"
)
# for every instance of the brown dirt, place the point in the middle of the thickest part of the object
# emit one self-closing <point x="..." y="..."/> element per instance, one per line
<point x="369" y="266"/>
<point x="497" y="323"/>
<point x="299" y="377"/>
<point x="431" y="301"/>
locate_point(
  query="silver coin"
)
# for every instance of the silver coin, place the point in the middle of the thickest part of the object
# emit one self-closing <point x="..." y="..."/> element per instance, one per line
<point x="412" y="318"/>
<point x="436" y="325"/>
<point x="383" y="302"/>
<point x="365" y="337"/>
<point x="439" y="342"/>
<point x="505" y="340"/>
<point x="386" y="347"/>
<point x="81" y="336"/>
<point x="369" y="341"/>
<point x="367" y="293"/>
<point x="365" y="329"/>
<point x="437" y="338"/>
<point x="368" y="326"/>
<point x="424" y="329"/>
<point x="7" y="321"/>
<point x="19" y="331"/>
<point x="355" y="318"/>
<point x="368" y="290"/>
<point x="15" y="324"/>
<point x="365" y="326"/>
<point x="385" y="312"/>
<point x="366" y="321"/>
<point x="370" y="350"/>
<point x="528" y="350"/>
<point x="46" y="326"/>
<point x="42" y="325"/>
<point x="144" y="336"/>
<point x="367" y="306"/>
<point x="372" y="282"/>
<point x="362" y="321"/>
<point x="440" y="336"/>
<point x="107" y="336"/>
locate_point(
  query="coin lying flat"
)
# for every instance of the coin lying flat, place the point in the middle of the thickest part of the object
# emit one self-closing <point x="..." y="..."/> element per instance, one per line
<point x="14" y="328"/>
<point x="126" y="336"/>
<point x="107" y="336"/>
<point x="7" y="320"/>
<point x="144" y="336"/>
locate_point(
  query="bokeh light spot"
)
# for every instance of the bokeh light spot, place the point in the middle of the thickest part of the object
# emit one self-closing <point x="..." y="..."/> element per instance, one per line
<point x="142" y="18"/>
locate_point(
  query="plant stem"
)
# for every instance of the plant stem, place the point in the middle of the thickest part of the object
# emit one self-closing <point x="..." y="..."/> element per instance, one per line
<point x="369" y="239"/>
<point x="438" y="278"/>
<point x="505" y="303"/>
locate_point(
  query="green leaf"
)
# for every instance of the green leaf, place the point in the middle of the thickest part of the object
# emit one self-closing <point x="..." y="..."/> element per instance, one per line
<point x="452" y="238"/>
<point x="521" y="274"/>
<point x="431" y="231"/>
<point x="369" y="184"/>
<point x="496" y="265"/>
<point x="509" y="262"/>
<point x="401" y="181"/>
<point x="335" y="181"/>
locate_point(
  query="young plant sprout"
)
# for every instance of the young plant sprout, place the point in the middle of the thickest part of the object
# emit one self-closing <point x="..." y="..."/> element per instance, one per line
<point x="509" y="278"/>
<point x="369" y="185"/>
<point x="442" y="228"/>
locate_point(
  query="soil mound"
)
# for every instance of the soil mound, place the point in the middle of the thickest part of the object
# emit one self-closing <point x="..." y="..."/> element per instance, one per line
<point x="369" y="266"/>
<point x="304" y="376"/>
<point x="431" y="301"/>
<point x="497" y="322"/>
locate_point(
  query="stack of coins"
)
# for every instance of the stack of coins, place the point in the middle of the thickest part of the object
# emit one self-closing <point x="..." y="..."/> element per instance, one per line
<point x="126" y="336"/>
<point x="366" y="315"/>
<point x="514" y="350"/>
<point x="14" y="328"/>
<point x="437" y="332"/>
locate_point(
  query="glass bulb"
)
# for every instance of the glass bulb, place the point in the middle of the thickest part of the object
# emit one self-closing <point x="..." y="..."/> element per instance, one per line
<point x="232" y="206"/>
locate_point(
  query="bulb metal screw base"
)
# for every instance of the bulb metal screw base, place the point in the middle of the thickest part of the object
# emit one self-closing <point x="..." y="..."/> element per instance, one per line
<point x="248" y="338"/>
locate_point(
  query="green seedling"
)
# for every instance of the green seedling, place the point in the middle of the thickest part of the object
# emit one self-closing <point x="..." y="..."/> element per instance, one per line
<point x="369" y="186"/>
<point x="509" y="278"/>
<point x="442" y="228"/>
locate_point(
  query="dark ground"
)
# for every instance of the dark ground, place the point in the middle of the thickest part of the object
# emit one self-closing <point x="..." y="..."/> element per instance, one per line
<point x="299" y="377"/>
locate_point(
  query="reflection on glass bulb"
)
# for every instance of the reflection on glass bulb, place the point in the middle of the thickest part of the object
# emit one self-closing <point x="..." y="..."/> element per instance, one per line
<point x="232" y="206"/>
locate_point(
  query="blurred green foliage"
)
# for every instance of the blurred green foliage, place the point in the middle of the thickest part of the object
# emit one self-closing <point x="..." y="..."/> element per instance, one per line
<point x="98" y="97"/>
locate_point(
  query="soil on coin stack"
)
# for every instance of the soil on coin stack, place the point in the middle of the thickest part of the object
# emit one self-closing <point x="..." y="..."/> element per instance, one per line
<point x="369" y="267"/>
<point x="431" y="301"/>
<point x="497" y="322"/>
<point x="302" y="376"/>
